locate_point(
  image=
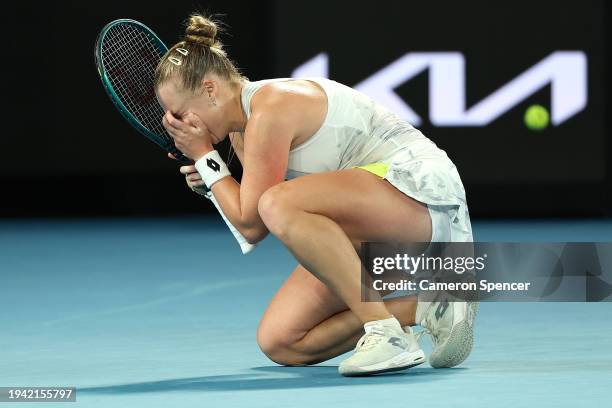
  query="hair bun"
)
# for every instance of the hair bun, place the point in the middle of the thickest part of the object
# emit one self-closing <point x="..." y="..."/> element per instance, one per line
<point x="201" y="30"/>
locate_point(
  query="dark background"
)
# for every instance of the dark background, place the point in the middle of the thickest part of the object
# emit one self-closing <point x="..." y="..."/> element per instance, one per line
<point x="66" y="151"/>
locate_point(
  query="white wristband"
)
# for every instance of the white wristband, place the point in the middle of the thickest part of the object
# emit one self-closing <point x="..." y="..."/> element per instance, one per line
<point x="212" y="168"/>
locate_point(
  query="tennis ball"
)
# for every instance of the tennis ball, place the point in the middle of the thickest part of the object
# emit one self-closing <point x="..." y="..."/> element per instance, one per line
<point x="536" y="117"/>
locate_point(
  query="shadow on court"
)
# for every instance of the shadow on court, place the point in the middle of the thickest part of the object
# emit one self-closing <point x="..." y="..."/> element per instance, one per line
<point x="275" y="378"/>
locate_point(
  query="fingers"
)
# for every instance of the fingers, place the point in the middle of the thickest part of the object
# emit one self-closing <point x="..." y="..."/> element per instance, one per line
<point x="171" y="120"/>
<point x="171" y="156"/>
<point x="187" y="119"/>
<point x="173" y="124"/>
<point x="190" y="172"/>
<point x="194" y="120"/>
<point x="190" y="119"/>
<point x="165" y="121"/>
<point x="194" y="180"/>
<point x="188" y="169"/>
<point x="189" y="134"/>
<point x="193" y="177"/>
<point x="196" y="183"/>
<point x="173" y="132"/>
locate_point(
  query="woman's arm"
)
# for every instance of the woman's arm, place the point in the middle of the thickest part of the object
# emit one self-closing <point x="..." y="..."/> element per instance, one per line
<point x="237" y="145"/>
<point x="280" y="115"/>
<point x="274" y="122"/>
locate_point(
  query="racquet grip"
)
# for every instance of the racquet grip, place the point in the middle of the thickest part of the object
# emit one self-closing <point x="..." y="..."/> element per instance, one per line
<point x="244" y="244"/>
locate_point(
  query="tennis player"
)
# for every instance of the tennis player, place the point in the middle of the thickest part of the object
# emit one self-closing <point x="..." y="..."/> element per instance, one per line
<point x="324" y="168"/>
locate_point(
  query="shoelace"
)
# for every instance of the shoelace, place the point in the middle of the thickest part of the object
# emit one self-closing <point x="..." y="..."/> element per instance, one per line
<point x="370" y="339"/>
<point x="432" y="335"/>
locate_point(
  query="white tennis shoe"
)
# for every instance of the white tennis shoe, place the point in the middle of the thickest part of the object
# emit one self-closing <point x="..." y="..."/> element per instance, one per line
<point x="384" y="347"/>
<point x="450" y="325"/>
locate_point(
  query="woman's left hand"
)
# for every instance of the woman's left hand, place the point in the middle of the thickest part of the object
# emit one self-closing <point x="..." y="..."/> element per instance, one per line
<point x="190" y="134"/>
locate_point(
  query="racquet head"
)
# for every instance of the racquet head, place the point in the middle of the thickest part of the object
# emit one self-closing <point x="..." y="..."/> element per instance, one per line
<point x="127" y="53"/>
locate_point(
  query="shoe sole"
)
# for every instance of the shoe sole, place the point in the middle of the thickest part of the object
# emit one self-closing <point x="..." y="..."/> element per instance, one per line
<point x="459" y="343"/>
<point x="361" y="372"/>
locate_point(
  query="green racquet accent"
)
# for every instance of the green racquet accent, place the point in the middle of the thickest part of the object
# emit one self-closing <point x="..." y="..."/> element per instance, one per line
<point x="127" y="53"/>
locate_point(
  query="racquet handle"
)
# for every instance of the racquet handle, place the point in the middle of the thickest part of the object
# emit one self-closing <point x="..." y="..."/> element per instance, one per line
<point x="244" y="244"/>
<point x="245" y="247"/>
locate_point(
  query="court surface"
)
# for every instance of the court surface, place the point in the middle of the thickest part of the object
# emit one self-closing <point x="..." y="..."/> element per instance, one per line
<point x="162" y="313"/>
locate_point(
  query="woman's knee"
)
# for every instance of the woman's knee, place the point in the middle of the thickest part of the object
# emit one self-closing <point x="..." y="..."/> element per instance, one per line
<point x="276" y="209"/>
<point x="279" y="346"/>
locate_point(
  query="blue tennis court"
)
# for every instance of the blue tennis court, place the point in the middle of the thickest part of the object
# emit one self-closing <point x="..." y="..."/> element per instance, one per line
<point x="118" y="280"/>
<point x="156" y="313"/>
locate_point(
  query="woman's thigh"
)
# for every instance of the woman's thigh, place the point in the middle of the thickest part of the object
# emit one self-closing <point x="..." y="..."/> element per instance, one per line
<point x="365" y="206"/>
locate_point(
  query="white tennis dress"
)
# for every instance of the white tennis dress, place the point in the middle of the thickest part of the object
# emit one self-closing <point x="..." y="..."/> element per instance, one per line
<point x="358" y="131"/>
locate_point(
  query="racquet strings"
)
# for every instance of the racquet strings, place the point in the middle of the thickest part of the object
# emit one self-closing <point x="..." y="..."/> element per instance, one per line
<point x="130" y="58"/>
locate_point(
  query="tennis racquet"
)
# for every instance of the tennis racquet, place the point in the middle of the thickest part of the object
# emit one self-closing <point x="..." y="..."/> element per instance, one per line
<point x="127" y="53"/>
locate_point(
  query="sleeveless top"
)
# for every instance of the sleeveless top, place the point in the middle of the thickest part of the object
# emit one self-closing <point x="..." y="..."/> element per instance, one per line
<point x="358" y="131"/>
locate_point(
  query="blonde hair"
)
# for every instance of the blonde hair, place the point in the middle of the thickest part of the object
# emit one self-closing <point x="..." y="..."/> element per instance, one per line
<point x="198" y="54"/>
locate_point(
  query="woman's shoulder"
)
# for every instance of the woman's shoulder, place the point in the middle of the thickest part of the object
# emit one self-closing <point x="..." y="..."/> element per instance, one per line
<point x="297" y="105"/>
<point x="285" y="93"/>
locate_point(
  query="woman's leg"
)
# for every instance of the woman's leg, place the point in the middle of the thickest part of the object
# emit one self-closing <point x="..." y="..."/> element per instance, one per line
<point x="306" y="323"/>
<point x="321" y="217"/>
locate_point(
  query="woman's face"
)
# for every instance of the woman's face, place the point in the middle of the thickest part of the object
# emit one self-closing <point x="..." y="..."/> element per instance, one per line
<point x="179" y="102"/>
